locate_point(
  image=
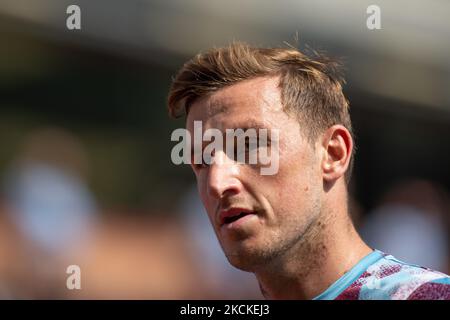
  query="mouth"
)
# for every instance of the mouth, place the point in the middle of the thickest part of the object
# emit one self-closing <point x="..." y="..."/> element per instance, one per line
<point x="234" y="214"/>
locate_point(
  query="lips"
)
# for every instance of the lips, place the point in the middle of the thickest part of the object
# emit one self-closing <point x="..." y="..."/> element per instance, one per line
<point x="233" y="214"/>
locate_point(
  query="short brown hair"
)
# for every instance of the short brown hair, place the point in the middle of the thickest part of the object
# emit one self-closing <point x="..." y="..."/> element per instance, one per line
<point x="311" y="84"/>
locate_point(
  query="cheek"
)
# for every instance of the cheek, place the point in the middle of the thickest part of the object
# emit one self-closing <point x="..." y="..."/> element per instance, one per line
<point x="296" y="179"/>
<point x="202" y="189"/>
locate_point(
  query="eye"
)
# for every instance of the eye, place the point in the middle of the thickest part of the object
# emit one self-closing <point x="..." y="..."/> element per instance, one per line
<point x="198" y="166"/>
<point x="207" y="160"/>
<point x="251" y="145"/>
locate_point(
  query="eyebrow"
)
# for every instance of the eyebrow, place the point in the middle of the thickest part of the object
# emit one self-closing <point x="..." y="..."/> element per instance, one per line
<point x="248" y="124"/>
<point x="216" y="108"/>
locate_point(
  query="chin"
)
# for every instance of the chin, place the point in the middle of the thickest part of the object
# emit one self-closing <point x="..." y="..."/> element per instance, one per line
<point x="241" y="263"/>
<point x="246" y="259"/>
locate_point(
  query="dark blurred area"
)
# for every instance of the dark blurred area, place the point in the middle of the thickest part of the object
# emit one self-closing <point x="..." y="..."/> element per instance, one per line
<point x="85" y="169"/>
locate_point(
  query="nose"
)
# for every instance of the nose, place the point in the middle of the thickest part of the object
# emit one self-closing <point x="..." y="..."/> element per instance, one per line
<point x="223" y="177"/>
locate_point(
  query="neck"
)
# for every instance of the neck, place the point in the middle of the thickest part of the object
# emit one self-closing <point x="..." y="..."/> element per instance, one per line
<point x="329" y="248"/>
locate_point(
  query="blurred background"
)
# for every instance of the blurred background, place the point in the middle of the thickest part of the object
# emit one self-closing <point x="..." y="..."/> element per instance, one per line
<point x="85" y="170"/>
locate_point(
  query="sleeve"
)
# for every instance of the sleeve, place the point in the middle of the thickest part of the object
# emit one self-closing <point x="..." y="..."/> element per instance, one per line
<point x="438" y="289"/>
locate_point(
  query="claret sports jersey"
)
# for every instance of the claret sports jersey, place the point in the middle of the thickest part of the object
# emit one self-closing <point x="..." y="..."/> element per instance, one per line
<point x="380" y="276"/>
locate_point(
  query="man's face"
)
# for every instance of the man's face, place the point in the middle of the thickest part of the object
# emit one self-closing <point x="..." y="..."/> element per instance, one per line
<point x="277" y="209"/>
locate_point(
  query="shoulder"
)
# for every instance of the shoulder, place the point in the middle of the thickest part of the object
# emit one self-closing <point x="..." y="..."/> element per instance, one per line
<point x="392" y="279"/>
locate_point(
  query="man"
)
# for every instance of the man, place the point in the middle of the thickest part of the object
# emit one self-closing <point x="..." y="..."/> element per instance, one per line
<point x="291" y="229"/>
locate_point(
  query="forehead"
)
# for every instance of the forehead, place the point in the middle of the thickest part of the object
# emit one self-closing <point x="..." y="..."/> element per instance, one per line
<point x="254" y="100"/>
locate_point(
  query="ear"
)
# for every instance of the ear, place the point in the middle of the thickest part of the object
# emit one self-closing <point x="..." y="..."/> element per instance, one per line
<point x="337" y="145"/>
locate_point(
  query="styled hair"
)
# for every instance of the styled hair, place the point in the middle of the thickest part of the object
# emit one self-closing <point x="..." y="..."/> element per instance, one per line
<point x="310" y="84"/>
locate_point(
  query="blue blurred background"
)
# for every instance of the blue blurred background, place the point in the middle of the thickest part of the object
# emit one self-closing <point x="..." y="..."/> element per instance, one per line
<point x="85" y="170"/>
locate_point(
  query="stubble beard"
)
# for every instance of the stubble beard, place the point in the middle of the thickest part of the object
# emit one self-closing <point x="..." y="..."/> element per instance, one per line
<point x="303" y="243"/>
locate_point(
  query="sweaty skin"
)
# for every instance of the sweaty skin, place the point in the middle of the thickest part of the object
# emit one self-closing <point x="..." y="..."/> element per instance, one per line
<point x="299" y="238"/>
